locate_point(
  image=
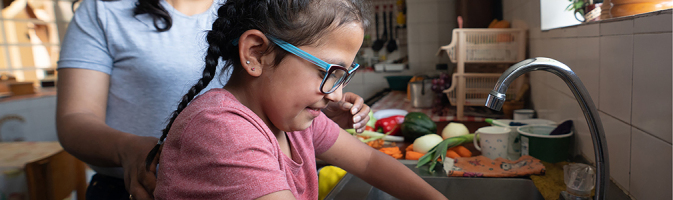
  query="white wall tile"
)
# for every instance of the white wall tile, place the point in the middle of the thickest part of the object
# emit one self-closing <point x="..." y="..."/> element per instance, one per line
<point x="357" y="79"/>
<point x="371" y="89"/>
<point x="538" y="95"/>
<point x="508" y="7"/>
<point x="587" y="65"/>
<point x="429" y="12"/>
<point x="520" y="14"/>
<point x="589" y="30"/>
<point x="650" y="167"/>
<point x="616" y="57"/>
<point x="447" y="12"/>
<point x="413" y="33"/>
<point x="583" y="141"/>
<point x="618" y="136"/>
<point x="617" y="27"/>
<point x="415" y="55"/>
<point x="652" y="84"/>
<point x="429" y="33"/>
<point x="357" y="89"/>
<point x="566" y="107"/>
<point x="445" y="32"/>
<point x="533" y="18"/>
<point x="565" y="32"/>
<point x="374" y="77"/>
<point x="429" y="53"/>
<point x="651" y="24"/>
<point x="534" y="32"/>
<point x="549" y="111"/>
<point x="564" y="50"/>
<point x="414" y="12"/>
<point x="534" y="47"/>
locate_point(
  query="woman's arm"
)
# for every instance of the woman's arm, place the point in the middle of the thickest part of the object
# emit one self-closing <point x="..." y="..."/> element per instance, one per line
<point x="378" y="169"/>
<point x="80" y="122"/>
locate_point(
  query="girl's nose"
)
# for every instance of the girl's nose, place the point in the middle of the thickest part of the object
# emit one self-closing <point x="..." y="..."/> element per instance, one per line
<point x="336" y="95"/>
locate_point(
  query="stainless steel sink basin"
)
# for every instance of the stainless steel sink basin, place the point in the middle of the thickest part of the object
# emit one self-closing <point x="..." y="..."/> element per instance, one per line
<point x="354" y="188"/>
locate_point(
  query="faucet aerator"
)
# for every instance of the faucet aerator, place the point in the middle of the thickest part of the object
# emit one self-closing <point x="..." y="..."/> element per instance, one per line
<point x="495" y="100"/>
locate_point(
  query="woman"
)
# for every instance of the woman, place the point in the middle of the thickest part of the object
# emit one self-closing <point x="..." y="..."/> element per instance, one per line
<point x="123" y="64"/>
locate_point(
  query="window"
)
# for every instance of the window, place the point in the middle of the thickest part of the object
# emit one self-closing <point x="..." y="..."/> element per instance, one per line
<point x="30" y="36"/>
<point x="554" y="14"/>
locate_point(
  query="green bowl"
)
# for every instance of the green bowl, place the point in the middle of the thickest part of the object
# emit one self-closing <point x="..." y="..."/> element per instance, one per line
<point x="536" y="142"/>
<point x="398" y="82"/>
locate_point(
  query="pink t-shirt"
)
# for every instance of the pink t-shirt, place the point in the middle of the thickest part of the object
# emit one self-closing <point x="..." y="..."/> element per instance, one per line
<point x="219" y="149"/>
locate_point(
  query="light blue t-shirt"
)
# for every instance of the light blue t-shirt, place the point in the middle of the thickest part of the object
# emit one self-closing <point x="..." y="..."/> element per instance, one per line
<point x="149" y="70"/>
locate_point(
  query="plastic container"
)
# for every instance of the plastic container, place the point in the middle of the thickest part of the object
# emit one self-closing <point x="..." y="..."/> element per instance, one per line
<point x="398" y="82"/>
<point x="522" y="114"/>
<point x="536" y="142"/>
<point x="579" y="179"/>
<point x="477" y="86"/>
<point x="514" y="147"/>
<point x="482" y="45"/>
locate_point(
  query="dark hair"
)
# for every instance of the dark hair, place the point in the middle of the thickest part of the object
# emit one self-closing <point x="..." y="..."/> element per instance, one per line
<point x="152" y="7"/>
<point x="298" y="22"/>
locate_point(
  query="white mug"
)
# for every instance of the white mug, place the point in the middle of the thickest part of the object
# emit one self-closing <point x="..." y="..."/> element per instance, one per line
<point x="494" y="141"/>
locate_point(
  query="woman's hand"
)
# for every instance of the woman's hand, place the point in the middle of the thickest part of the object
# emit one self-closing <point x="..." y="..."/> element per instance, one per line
<point x="350" y="112"/>
<point x="139" y="181"/>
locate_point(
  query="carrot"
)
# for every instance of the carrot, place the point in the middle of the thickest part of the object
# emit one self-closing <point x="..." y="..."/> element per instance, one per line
<point x="392" y="151"/>
<point x="452" y="154"/>
<point x="462" y="151"/>
<point x="412" y="155"/>
<point x="410" y="147"/>
<point x="376" y="144"/>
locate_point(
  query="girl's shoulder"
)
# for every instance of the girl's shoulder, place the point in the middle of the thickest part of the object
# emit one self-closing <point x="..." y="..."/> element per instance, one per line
<point x="219" y="107"/>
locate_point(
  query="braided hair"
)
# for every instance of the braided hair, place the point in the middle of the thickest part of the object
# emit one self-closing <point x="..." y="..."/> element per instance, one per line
<point x="298" y="22"/>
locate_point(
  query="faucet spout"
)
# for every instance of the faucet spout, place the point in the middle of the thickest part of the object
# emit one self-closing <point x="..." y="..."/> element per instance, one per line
<point x="496" y="98"/>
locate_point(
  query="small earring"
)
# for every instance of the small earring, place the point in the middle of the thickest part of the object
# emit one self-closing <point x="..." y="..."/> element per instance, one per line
<point x="247" y="62"/>
<point x="253" y="69"/>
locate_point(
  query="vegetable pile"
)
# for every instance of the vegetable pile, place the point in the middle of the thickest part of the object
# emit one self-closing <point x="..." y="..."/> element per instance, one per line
<point x="441" y="150"/>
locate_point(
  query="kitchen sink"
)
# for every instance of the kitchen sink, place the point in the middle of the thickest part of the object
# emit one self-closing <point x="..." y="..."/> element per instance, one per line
<point x="352" y="188"/>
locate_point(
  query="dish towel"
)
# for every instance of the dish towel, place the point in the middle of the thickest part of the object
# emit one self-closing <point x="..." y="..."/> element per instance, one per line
<point x="481" y="166"/>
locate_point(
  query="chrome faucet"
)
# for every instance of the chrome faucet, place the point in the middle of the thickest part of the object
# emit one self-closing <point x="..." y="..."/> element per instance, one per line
<point x="497" y="97"/>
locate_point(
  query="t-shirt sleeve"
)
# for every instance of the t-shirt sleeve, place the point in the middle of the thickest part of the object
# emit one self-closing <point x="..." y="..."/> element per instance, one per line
<point x="227" y="157"/>
<point x="325" y="133"/>
<point x="85" y="45"/>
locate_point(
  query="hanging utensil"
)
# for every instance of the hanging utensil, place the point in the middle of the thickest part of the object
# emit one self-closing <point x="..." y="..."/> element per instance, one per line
<point x="392" y="44"/>
<point x="378" y="44"/>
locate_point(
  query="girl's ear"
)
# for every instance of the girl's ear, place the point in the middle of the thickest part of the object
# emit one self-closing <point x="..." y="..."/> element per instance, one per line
<point x="251" y="47"/>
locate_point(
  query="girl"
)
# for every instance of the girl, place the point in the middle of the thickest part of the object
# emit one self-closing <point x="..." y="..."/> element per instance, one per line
<point x="258" y="137"/>
<point x="123" y="65"/>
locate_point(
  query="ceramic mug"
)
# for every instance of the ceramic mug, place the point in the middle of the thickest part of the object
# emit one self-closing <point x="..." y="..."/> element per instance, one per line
<point x="494" y="141"/>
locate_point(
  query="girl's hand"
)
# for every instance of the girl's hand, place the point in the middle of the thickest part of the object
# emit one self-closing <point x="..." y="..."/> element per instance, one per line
<point x="350" y="112"/>
<point x="139" y="182"/>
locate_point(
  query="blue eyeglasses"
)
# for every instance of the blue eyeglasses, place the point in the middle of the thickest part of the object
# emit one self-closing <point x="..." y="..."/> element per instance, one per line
<point x="335" y="74"/>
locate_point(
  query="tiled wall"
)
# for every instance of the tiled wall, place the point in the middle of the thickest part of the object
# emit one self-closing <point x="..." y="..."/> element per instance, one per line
<point x="429" y="23"/>
<point x="626" y="66"/>
<point x="429" y="26"/>
<point x="32" y="119"/>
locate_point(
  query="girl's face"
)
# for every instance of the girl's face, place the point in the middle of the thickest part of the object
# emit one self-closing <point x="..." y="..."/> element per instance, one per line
<point x="293" y="87"/>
